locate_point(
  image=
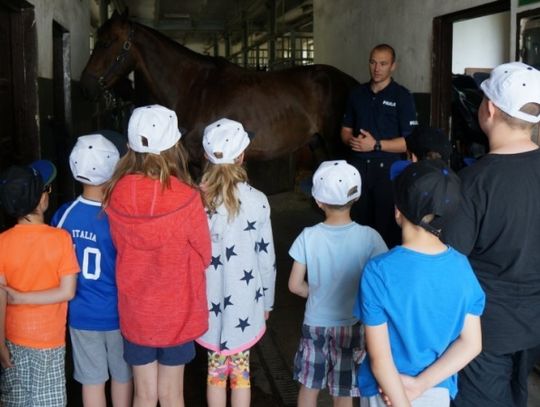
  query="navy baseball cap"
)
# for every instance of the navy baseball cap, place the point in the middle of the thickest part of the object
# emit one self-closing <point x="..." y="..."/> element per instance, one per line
<point x="119" y="141"/>
<point x="427" y="187"/>
<point x="21" y="186"/>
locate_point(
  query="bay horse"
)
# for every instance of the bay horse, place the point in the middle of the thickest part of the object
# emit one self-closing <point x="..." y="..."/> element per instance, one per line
<point x="285" y="109"/>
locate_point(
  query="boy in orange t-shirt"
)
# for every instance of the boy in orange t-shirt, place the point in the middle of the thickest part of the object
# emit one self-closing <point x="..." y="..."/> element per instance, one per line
<point x="37" y="277"/>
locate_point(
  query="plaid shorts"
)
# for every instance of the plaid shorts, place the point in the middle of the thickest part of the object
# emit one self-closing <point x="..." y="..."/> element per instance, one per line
<point x="326" y="358"/>
<point x="36" y="379"/>
<point x="235" y="367"/>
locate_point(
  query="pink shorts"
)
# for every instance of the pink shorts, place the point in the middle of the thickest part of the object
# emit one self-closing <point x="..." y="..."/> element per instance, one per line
<point x="234" y="367"/>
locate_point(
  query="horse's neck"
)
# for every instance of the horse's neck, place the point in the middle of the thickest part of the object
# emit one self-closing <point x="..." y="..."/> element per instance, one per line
<point x="163" y="63"/>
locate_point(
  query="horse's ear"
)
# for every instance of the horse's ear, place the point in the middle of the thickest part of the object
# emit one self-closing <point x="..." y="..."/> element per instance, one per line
<point x="124" y="16"/>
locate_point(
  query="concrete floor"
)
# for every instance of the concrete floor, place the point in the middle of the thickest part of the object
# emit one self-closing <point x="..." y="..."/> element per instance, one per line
<point x="291" y="212"/>
<point x="272" y="357"/>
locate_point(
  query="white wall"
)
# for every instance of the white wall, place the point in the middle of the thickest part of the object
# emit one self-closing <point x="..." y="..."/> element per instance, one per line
<point x="482" y="42"/>
<point x="74" y="16"/>
<point x="346" y="30"/>
<point x="514" y="11"/>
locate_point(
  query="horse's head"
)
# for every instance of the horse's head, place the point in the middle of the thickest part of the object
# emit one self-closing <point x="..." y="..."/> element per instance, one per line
<point x="112" y="57"/>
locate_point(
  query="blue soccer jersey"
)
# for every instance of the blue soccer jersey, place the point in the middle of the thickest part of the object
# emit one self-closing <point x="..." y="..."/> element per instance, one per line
<point x="94" y="306"/>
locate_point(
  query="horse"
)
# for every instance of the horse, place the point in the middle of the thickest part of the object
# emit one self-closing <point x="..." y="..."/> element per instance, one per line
<point x="285" y="109"/>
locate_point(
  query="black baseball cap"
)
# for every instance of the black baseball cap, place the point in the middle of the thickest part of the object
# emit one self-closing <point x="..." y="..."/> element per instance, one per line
<point x="428" y="139"/>
<point x="427" y="187"/>
<point x="21" y="186"/>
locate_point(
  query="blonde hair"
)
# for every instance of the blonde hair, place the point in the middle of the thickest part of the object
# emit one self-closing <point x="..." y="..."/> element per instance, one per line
<point x="219" y="182"/>
<point x="515" y="123"/>
<point x="343" y="207"/>
<point x="163" y="166"/>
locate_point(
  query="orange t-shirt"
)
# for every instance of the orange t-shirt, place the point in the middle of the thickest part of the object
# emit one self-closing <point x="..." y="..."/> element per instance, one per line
<point x="32" y="258"/>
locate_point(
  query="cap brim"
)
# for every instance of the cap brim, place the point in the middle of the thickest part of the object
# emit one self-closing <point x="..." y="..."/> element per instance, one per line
<point x="397" y="168"/>
<point x="46" y="169"/>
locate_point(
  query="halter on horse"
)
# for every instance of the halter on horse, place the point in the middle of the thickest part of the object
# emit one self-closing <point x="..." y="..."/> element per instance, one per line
<point x="285" y="109"/>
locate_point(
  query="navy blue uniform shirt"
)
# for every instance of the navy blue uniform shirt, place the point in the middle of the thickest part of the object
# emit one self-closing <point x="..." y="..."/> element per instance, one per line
<point x="387" y="114"/>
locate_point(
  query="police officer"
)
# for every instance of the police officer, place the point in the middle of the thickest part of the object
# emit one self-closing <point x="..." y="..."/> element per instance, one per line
<point x="378" y="117"/>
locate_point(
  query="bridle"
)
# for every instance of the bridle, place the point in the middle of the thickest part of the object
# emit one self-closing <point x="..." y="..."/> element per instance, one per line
<point x="119" y="60"/>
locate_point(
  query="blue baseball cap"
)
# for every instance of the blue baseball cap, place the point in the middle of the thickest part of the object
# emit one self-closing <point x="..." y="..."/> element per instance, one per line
<point x="397" y="168"/>
<point x="46" y="170"/>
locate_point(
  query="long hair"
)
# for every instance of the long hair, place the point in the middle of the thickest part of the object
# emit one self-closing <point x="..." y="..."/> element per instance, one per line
<point x="219" y="182"/>
<point x="163" y="166"/>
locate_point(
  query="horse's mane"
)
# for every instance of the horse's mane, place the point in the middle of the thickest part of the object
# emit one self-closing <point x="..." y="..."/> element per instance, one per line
<point x="204" y="59"/>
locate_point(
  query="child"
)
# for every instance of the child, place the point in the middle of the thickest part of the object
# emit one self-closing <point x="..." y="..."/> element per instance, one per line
<point x="428" y="143"/>
<point x="160" y="231"/>
<point x="420" y="302"/>
<point x="93" y="313"/>
<point x="497" y="227"/>
<point x="333" y="254"/>
<point x="38" y="276"/>
<point x="240" y="281"/>
<point x="424" y="143"/>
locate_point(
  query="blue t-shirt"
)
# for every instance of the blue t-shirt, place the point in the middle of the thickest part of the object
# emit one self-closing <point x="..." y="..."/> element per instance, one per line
<point x="95" y="305"/>
<point x="335" y="257"/>
<point x="423" y="299"/>
<point x="386" y="114"/>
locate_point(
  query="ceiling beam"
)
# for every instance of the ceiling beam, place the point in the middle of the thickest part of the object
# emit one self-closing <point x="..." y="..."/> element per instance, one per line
<point x="184" y="25"/>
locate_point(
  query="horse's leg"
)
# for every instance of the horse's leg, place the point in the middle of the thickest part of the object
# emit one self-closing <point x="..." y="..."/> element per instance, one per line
<point x="319" y="148"/>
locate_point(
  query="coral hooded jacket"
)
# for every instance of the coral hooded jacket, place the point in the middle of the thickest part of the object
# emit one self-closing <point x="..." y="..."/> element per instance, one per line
<point x="163" y="244"/>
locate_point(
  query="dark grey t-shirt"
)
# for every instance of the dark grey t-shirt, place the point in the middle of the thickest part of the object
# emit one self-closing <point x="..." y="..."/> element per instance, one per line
<point x="498" y="227"/>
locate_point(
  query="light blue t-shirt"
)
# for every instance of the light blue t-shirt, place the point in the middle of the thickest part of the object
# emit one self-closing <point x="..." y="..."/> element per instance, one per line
<point x="424" y="300"/>
<point x="335" y="257"/>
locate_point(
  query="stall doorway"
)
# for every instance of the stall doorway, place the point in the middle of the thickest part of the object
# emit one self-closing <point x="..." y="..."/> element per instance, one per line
<point x="444" y="53"/>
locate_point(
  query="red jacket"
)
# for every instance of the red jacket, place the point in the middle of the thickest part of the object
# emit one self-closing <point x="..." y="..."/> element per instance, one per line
<point x="163" y="248"/>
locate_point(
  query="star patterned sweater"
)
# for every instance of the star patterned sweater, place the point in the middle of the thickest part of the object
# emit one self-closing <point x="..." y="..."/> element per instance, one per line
<point x="241" y="276"/>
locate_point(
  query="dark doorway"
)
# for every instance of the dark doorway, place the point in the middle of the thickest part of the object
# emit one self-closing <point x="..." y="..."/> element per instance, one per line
<point x="19" y="140"/>
<point x="57" y="143"/>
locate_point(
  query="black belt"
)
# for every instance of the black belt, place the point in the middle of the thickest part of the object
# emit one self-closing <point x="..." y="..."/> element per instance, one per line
<point x="380" y="161"/>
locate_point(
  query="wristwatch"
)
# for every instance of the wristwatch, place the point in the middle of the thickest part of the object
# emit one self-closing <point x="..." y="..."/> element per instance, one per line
<point x="377" y="146"/>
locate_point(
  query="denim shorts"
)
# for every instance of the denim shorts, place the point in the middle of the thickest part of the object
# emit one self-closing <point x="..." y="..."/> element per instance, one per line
<point x="137" y="355"/>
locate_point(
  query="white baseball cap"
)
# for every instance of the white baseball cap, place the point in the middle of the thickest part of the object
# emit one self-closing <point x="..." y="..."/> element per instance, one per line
<point x="224" y="140"/>
<point x="93" y="159"/>
<point x="511" y="86"/>
<point x="153" y="129"/>
<point x="336" y="183"/>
